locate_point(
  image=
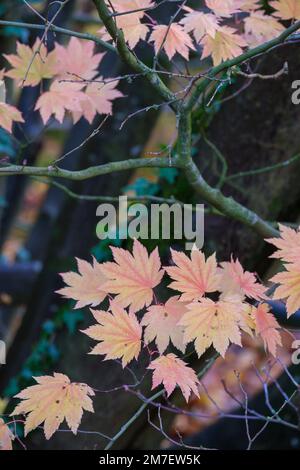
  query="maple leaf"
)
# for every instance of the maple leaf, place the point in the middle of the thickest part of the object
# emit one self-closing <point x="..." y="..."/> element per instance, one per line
<point x="288" y="245"/>
<point x="85" y="287"/>
<point x="234" y="280"/>
<point x="171" y="371"/>
<point x="224" y="8"/>
<point x="267" y="327"/>
<point x="225" y="45"/>
<point x="98" y="99"/>
<point x="193" y="277"/>
<point x="172" y="39"/>
<point x="6" y="436"/>
<point x="130" y="23"/>
<point x="31" y="65"/>
<point x="161" y="323"/>
<point x="51" y="401"/>
<point x="286" y="9"/>
<point x="260" y="28"/>
<point x="8" y="115"/>
<point x="289" y="288"/>
<point x="133" y="276"/>
<point x="247" y="5"/>
<point x="60" y="98"/>
<point x="212" y="323"/>
<point x="119" y="332"/>
<point x="77" y="60"/>
<point x="200" y="24"/>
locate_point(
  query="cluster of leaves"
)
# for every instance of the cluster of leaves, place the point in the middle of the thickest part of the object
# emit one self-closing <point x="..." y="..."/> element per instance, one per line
<point x="214" y="304"/>
<point x="75" y="85"/>
<point x="205" y="28"/>
<point x="222" y="30"/>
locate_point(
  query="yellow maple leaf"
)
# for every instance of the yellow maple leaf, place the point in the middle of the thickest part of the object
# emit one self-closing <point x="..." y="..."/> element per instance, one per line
<point x="119" y="334"/>
<point x="286" y="9"/>
<point x="31" y="65"/>
<point x="226" y="44"/>
<point x="161" y="323"/>
<point x="288" y="245"/>
<point x="85" y="287"/>
<point x="193" y="277"/>
<point x="171" y="371"/>
<point x="51" y="401"/>
<point x="133" y="276"/>
<point x="289" y="287"/>
<point x="213" y="323"/>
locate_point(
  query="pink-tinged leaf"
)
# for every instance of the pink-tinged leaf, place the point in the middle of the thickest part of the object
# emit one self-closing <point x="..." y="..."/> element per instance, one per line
<point x="171" y="39"/>
<point x="286" y="9"/>
<point x="87" y="286"/>
<point x="6" y="436"/>
<point x="193" y="277"/>
<point x="200" y="24"/>
<point x="31" y="65"/>
<point x="119" y="334"/>
<point x="60" y="98"/>
<point x="224" y="8"/>
<point x="172" y="372"/>
<point x="98" y="100"/>
<point x="161" y="323"/>
<point x="130" y="23"/>
<point x="288" y="245"/>
<point x="133" y="276"/>
<point x="51" y="401"/>
<point x="236" y="281"/>
<point x="213" y="323"/>
<point x="267" y="327"/>
<point x="8" y="115"/>
<point x="77" y="61"/>
<point x="260" y="28"/>
<point x="226" y="44"/>
<point x="289" y="287"/>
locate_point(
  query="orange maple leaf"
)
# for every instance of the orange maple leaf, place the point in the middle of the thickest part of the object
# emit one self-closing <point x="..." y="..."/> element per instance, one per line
<point x="289" y="287"/>
<point x="161" y="323"/>
<point x="119" y="332"/>
<point x="212" y="323"/>
<point x="85" y="287"/>
<point x="193" y="277"/>
<point x="288" y="245"/>
<point x="6" y="436"/>
<point x="51" y="401"/>
<point x="133" y="276"/>
<point x="267" y="327"/>
<point x="98" y="99"/>
<point x="226" y="44"/>
<point x="60" y="98"/>
<point x="171" y="371"/>
<point x="236" y="281"/>
<point x="286" y="9"/>
<point x="77" y="61"/>
<point x="172" y="39"/>
<point x="31" y="65"/>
